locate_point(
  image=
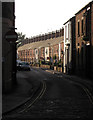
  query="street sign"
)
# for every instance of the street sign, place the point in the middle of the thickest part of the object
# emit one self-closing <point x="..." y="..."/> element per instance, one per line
<point x="11" y="36"/>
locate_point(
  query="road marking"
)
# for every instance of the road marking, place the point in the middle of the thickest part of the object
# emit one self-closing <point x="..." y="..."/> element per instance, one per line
<point x="43" y="90"/>
<point x="38" y="97"/>
<point x="87" y="92"/>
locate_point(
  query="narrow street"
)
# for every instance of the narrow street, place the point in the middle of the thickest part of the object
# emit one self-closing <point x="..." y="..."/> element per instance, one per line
<point x="58" y="98"/>
<point x="46" y="59"/>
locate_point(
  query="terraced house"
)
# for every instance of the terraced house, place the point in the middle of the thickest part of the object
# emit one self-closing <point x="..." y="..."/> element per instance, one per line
<point x="84" y="40"/>
<point x="43" y="49"/>
<point x="71" y="45"/>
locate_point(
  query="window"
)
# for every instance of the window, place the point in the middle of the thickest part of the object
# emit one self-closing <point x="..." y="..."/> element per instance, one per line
<point x="78" y="29"/>
<point x="26" y="53"/>
<point x="65" y="31"/>
<point x="82" y="26"/>
<point x="78" y="44"/>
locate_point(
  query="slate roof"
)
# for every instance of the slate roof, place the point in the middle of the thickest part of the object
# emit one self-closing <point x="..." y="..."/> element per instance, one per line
<point x="40" y="44"/>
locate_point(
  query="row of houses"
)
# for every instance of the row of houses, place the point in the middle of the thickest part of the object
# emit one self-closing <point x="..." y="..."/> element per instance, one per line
<point x="71" y="46"/>
<point x="47" y="48"/>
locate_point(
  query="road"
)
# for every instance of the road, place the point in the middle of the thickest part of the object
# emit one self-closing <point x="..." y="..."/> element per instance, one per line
<point x="58" y="98"/>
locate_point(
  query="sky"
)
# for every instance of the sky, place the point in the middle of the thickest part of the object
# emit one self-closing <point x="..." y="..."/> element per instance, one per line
<point x="35" y="17"/>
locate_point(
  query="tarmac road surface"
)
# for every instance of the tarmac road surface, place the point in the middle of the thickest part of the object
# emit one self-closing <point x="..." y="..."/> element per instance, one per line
<point x="58" y="98"/>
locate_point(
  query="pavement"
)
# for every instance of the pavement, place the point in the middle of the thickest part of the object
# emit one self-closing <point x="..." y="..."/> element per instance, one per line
<point x="21" y="93"/>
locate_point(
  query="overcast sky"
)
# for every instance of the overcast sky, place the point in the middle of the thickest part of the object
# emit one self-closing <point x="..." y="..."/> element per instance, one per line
<point x="34" y="17"/>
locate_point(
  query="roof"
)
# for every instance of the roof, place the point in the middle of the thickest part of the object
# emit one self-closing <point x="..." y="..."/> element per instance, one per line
<point x="69" y="20"/>
<point x="84" y="7"/>
<point x="79" y="11"/>
<point x="41" y="44"/>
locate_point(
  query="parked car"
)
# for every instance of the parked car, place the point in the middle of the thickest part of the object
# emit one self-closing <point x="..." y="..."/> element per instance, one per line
<point x="23" y="66"/>
<point x="18" y="61"/>
<point x="18" y="64"/>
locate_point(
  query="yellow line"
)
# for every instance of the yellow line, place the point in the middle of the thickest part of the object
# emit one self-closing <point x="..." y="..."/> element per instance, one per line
<point x="40" y="95"/>
<point x="87" y="92"/>
<point x="43" y="90"/>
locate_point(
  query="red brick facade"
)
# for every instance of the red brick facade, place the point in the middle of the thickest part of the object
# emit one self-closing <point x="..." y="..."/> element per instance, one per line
<point x="91" y="39"/>
<point x="28" y="54"/>
<point x="82" y="43"/>
<point x="84" y="40"/>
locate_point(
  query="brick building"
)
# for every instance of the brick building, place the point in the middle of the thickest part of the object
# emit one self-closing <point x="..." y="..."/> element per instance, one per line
<point x="91" y="71"/>
<point x="8" y="49"/>
<point x="43" y="47"/>
<point x="74" y="43"/>
<point x="84" y="40"/>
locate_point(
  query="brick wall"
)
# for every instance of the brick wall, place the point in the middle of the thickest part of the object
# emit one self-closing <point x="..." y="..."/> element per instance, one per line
<point x="79" y="40"/>
<point x="83" y="47"/>
<point x="55" y="50"/>
<point x="92" y="40"/>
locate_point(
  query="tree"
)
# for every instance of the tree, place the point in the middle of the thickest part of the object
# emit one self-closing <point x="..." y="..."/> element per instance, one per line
<point x="21" y="37"/>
